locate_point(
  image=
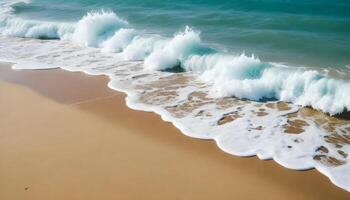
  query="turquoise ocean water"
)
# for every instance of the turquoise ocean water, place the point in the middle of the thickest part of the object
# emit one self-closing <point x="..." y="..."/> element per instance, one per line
<point x="300" y="32"/>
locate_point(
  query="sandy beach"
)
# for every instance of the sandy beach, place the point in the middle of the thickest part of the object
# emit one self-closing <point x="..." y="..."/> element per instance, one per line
<point x="66" y="135"/>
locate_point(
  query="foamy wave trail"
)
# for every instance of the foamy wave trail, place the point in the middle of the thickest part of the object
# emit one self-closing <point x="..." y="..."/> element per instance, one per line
<point x="233" y="75"/>
<point x="248" y="77"/>
<point x="34" y="29"/>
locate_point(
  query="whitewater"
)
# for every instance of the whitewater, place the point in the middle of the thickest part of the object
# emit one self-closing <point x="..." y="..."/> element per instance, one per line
<point x="248" y="106"/>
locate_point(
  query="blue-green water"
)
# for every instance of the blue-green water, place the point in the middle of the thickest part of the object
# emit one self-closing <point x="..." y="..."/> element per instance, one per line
<point x="299" y="32"/>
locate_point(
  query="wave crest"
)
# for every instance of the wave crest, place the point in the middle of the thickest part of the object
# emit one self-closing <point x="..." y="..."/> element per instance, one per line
<point x="247" y="77"/>
<point x="34" y="29"/>
<point x="97" y="26"/>
<point x="175" y="51"/>
<point x="231" y="75"/>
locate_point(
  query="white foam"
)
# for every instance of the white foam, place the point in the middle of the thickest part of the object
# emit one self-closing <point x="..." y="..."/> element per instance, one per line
<point x="120" y="40"/>
<point x="141" y="46"/>
<point x="34" y="29"/>
<point x="174" y="51"/>
<point x="96" y="27"/>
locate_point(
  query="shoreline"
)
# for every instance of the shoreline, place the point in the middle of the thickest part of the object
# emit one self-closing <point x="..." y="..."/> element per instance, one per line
<point x="176" y="164"/>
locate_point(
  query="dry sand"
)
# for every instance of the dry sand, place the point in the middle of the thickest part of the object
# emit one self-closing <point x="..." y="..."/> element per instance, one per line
<point x="65" y="135"/>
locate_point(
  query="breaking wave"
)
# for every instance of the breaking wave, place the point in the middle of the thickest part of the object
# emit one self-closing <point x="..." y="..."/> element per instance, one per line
<point x="241" y="76"/>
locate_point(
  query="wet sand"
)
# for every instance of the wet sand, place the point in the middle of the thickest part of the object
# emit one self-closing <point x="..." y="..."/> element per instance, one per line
<point x="67" y="136"/>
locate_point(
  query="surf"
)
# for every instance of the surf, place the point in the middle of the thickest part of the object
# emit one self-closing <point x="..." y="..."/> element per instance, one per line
<point x="240" y="76"/>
